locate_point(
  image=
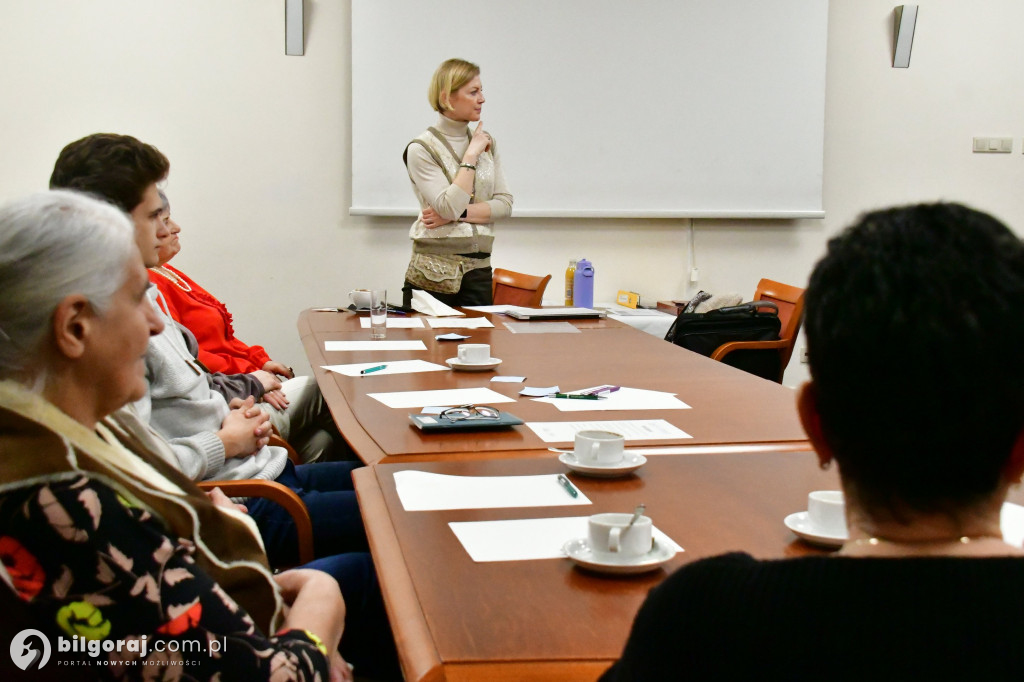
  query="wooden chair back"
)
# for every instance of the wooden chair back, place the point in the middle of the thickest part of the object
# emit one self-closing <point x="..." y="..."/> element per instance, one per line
<point x="790" y="301"/>
<point x="516" y="288"/>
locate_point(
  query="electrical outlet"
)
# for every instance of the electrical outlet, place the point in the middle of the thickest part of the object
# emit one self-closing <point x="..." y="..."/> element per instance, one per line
<point x="803" y="355"/>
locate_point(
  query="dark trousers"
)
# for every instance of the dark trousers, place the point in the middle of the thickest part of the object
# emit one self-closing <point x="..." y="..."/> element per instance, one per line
<point x="475" y="290"/>
<point x="327" y="491"/>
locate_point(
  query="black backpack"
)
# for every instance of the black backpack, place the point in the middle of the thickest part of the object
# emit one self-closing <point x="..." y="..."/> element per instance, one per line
<point x="755" y="321"/>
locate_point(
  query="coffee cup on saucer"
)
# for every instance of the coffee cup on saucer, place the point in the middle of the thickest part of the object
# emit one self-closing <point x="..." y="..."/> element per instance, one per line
<point x="612" y="533"/>
<point x="602" y="448"/>
<point x="474" y="353"/>
<point x="826" y="510"/>
<point x="360" y="298"/>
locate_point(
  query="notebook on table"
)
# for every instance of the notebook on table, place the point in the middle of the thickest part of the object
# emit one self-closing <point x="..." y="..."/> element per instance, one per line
<point x="435" y="422"/>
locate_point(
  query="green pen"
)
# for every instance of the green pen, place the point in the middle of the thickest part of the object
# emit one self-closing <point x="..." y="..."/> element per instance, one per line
<point x="576" y="396"/>
<point x="569" y="488"/>
<point x="372" y="369"/>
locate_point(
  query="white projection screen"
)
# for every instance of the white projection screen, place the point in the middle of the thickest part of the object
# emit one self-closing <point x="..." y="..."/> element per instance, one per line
<point x="601" y="108"/>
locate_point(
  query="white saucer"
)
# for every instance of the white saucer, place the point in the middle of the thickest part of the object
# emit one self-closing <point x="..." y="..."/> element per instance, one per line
<point x="629" y="464"/>
<point x="455" y="363"/>
<point x="1011" y="523"/>
<point x="605" y="562"/>
<point x="801" y="525"/>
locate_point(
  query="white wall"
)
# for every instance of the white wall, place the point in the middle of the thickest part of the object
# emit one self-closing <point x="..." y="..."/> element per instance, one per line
<point x="258" y="144"/>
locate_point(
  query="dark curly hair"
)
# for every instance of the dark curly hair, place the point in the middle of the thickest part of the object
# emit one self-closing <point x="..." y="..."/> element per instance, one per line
<point x="915" y="335"/>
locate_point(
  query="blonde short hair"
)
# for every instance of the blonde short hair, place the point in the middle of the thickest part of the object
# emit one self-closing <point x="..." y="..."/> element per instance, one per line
<point x="449" y="77"/>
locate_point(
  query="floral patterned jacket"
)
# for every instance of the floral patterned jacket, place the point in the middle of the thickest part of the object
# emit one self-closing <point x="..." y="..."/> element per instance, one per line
<point x="107" y="573"/>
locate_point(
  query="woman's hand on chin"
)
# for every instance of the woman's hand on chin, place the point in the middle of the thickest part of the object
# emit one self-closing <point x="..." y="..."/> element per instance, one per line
<point x="478" y="144"/>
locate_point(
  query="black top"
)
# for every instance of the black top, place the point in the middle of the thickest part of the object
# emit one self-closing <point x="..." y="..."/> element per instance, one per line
<point x="829" y="618"/>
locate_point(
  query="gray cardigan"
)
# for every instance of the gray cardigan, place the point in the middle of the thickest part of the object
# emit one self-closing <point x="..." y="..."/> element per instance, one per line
<point x="180" y="405"/>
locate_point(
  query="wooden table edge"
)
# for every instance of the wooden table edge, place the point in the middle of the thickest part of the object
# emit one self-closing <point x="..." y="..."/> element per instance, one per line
<point x="416" y="651"/>
<point x="709" y="449"/>
<point x="526" y="671"/>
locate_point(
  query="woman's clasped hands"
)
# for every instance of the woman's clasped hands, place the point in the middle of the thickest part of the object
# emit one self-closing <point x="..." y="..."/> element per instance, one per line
<point x="245" y="429"/>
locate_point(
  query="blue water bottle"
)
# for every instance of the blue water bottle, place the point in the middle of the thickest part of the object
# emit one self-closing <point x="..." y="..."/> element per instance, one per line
<point x="583" y="284"/>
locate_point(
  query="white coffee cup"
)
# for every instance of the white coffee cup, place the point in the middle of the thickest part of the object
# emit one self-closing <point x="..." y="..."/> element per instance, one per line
<point x="599" y="447"/>
<point x="826" y="510"/>
<point x="360" y="298"/>
<point x="611" y="533"/>
<point x="474" y="353"/>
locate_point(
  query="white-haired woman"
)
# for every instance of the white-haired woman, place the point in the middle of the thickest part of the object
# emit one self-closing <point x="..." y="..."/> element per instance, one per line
<point x="458" y="181"/>
<point x="101" y="542"/>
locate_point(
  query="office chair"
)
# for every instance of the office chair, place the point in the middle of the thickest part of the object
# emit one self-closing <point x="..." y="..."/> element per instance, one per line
<point x="516" y="288"/>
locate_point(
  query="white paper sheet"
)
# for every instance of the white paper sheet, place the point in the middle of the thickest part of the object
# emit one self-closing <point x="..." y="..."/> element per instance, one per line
<point x="459" y="322"/>
<point x="425" y="491"/>
<point x="423" y="302"/>
<point x="541" y="328"/>
<point x="508" y="379"/>
<point x="623" y="399"/>
<point x="523" y="539"/>
<point x="396" y="322"/>
<point x="451" y="396"/>
<point x="393" y="367"/>
<point x="631" y="429"/>
<point x="536" y="391"/>
<point x="373" y="345"/>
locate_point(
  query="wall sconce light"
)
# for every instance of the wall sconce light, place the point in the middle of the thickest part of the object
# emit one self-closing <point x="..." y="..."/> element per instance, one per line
<point x="904" y="19"/>
<point x="294" y="32"/>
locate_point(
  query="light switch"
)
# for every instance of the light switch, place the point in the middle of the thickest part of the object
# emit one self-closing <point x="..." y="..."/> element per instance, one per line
<point x="993" y="145"/>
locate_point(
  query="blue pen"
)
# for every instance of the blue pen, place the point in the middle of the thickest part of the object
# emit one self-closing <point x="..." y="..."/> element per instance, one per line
<point x="372" y="369"/>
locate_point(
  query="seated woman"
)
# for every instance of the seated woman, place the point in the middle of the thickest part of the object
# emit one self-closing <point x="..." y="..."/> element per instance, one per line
<point x="914" y="333"/>
<point x="295" y="406"/>
<point x="102" y="540"/>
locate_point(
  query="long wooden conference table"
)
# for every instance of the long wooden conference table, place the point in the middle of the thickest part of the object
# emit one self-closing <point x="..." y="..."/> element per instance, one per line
<point x="746" y="467"/>
<point x="729" y="407"/>
<point x="541" y="620"/>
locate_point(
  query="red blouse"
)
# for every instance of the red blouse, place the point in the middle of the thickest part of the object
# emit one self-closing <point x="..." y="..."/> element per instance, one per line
<point x="210" y="321"/>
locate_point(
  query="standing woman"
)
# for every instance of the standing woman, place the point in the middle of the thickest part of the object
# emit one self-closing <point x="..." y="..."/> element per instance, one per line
<point x="457" y="178"/>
